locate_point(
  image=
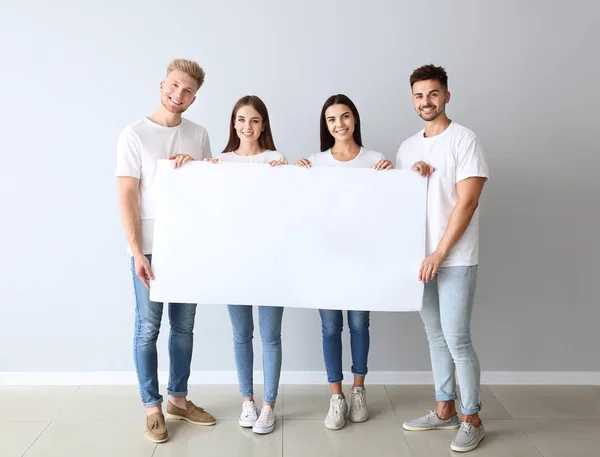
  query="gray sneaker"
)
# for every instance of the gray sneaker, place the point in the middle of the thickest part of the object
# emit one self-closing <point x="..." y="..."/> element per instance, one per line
<point x="467" y="438"/>
<point x="431" y="421"/>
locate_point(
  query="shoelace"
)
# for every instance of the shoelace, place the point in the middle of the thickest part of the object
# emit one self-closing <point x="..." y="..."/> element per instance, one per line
<point x="248" y="409"/>
<point x="466" y="427"/>
<point x="358" y="399"/>
<point x="266" y="411"/>
<point x="431" y="415"/>
<point x="337" y="406"/>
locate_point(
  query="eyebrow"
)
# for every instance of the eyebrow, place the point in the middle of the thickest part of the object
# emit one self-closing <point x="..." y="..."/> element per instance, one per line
<point x="430" y="92"/>
<point x="252" y="118"/>
<point x="184" y="86"/>
<point x="333" y="117"/>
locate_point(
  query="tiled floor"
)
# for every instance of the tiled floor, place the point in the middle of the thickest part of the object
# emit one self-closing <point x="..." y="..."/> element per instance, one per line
<point x="521" y="421"/>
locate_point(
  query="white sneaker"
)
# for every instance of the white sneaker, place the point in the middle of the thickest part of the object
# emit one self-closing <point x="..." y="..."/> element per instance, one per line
<point x="336" y="417"/>
<point x="266" y="421"/>
<point x="358" y="405"/>
<point x="249" y="414"/>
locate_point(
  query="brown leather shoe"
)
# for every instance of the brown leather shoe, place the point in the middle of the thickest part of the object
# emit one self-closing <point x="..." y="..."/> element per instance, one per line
<point x="156" y="428"/>
<point x="193" y="414"/>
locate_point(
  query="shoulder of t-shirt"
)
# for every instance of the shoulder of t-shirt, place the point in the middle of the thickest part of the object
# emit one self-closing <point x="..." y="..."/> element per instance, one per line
<point x="192" y="126"/>
<point x="461" y="131"/>
<point x="369" y="152"/>
<point x="411" y="139"/>
<point x="134" y="128"/>
<point x="319" y="155"/>
<point x="277" y="154"/>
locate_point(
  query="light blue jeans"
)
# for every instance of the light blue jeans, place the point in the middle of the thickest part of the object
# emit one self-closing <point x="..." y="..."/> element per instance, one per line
<point x="148" y="315"/>
<point x="446" y="313"/>
<point x="269" y="318"/>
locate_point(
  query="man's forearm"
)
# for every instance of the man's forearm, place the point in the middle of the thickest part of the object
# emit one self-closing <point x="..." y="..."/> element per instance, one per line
<point x="130" y="216"/>
<point x="459" y="221"/>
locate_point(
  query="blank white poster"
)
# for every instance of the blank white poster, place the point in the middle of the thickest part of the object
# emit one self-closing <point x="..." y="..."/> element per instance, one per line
<point x="288" y="236"/>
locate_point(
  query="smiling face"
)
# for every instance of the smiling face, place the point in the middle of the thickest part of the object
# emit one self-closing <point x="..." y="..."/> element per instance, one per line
<point x="340" y="122"/>
<point x="248" y="124"/>
<point x="178" y="91"/>
<point x="429" y="99"/>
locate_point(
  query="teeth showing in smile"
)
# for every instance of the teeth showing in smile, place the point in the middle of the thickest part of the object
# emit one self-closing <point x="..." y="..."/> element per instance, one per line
<point x="341" y="132"/>
<point x="174" y="102"/>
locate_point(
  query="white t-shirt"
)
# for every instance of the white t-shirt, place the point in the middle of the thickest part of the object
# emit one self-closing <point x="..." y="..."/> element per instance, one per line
<point x="141" y="145"/>
<point x="364" y="159"/>
<point x="263" y="157"/>
<point x="456" y="154"/>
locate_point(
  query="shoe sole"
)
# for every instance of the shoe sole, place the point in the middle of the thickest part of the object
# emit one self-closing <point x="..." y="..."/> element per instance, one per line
<point x="157" y="441"/>
<point x="336" y="428"/>
<point x="466" y="449"/>
<point x="246" y="424"/>
<point x="263" y="431"/>
<point x="424" y="429"/>
<point x="357" y="421"/>
<point x="181" y="418"/>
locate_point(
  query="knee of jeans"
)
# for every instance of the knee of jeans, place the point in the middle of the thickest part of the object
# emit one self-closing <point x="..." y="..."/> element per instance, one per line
<point x="186" y="328"/>
<point x="436" y="340"/>
<point x="358" y="321"/>
<point x="243" y="336"/>
<point x="148" y="330"/>
<point x="272" y="339"/>
<point x="331" y="329"/>
<point x="459" y="344"/>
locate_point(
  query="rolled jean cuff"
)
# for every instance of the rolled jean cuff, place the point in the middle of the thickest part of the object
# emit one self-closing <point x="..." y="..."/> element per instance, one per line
<point x="154" y="403"/>
<point x="247" y="394"/>
<point x="445" y="397"/>
<point x="336" y="380"/>
<point x="177" y="394"/>
<point x="271" y="400"/>
<point x="470" y="411"/>
<point x="354" y="372"/>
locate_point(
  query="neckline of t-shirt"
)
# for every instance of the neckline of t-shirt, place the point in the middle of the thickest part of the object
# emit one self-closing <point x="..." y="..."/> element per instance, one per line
<point x="346" y="161"/>
<point x="439" y="135"/>
<point x="153" y="124"/>
<point x="255" y="155"/>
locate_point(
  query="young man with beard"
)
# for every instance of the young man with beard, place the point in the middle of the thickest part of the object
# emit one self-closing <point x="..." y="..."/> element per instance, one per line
<point x="453" y="159"/>
<point x="163" y="135"/>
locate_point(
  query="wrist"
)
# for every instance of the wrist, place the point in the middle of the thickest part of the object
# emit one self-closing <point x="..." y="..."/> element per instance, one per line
<point x="441" y="253"/>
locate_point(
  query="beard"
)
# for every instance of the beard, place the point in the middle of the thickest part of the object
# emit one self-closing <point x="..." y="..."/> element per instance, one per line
<point x="432" y="115"/>
<point x="172" y="108"/>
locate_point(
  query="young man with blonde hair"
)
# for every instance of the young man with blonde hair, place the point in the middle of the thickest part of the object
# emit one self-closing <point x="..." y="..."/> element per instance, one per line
<point x="163" y="135"/>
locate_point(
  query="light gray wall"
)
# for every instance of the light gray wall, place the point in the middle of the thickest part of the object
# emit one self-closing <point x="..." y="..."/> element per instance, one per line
<point x="523" y="76"/>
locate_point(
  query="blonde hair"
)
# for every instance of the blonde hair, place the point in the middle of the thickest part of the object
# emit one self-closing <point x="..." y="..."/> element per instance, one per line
<point x="189" y="67"/>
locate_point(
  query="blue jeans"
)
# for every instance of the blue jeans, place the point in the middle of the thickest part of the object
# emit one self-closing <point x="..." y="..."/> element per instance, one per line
<point x="148" y="315"/>
<point x="446" y="313"/>
<point x="332" y="322"/>
<point x="270" y="333"/>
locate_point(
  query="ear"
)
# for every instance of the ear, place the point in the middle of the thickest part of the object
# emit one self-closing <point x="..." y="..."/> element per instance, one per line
<point x="193" y="100"/>
<point x="447" y="97"/>
<point x="162" y="84"/>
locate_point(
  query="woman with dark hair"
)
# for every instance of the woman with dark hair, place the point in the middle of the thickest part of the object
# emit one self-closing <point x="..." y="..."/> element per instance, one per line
<point x="341" y="146"/>
<point x="251" y="141"/>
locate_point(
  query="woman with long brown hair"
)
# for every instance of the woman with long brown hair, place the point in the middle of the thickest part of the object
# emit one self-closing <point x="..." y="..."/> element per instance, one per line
<point x="341" y="146"/>
<point x="251" y="141"/>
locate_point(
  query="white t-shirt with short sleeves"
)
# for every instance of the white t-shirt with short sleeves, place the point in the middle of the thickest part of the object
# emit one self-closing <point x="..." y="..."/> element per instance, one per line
<point x="263" y="157"/>
<point x="365" y="159"/>
<point x="456" y="154"/>
<point x="141" y="145"/>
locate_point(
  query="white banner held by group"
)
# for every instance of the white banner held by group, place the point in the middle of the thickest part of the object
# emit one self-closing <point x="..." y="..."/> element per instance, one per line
<point x="288" y="236"/>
